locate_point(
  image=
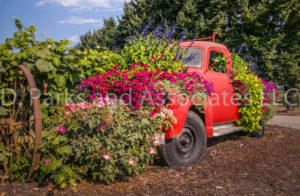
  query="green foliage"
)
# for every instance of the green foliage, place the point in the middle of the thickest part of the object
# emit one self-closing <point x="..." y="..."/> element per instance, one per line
<point x="155" y="53"/>
<point x="4" y="155"/>
<point x="18" y="171"/>
<point x="56" y="67"/>
<point x="250" y="90"/>
<point x="92" y="133"/>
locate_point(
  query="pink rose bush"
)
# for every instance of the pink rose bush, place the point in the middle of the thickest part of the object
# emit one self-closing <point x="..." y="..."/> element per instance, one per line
<point x="101" y="140"/>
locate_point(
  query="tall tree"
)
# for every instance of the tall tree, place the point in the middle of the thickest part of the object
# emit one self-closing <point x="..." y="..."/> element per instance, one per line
<point x="265" y="32"/>
<point x="100" y="39"/>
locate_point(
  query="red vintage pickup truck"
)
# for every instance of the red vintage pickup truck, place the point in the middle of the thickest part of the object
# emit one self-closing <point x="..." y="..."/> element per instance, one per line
<point x="186" y="142"/>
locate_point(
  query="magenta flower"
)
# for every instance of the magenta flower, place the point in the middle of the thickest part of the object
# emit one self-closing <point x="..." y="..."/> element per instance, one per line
<point x="152" y="114"/>
<point x="125" y="77"/>
<point x="92" y="97"/>
<point x="62" y="130"/>
<point x="153" y="57"/>
<point x="116" y="67"/>
<point x="47" y="161"/>
<point x="103" y="126"/>
<point x="106" y="157"/>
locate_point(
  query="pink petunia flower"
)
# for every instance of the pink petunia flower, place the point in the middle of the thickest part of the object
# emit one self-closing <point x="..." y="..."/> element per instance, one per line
<point x="153" y="57"/>
<point x="116" y="67"/>
<point x="152" y="114"/>
<point x="106" y="157"/>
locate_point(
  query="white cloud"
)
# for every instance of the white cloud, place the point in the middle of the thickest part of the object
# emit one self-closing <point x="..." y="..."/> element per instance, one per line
<point x="74" y="39"/>
<point x="80" y="21"/>
<point x="83" y="4"/>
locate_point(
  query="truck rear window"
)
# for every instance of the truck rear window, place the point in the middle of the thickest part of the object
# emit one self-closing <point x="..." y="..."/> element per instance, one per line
<point x="191" y="57"/>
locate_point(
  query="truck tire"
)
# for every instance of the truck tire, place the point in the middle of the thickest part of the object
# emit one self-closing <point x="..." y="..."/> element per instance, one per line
<point x="259" y="133"/>
<point x="188" y="147"/>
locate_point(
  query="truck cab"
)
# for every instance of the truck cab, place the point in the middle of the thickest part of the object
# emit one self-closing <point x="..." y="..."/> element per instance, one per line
<point x="185" y="143"/>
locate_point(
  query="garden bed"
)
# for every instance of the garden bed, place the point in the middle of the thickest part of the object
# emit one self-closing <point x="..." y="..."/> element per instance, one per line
<point x="232" y="165"/>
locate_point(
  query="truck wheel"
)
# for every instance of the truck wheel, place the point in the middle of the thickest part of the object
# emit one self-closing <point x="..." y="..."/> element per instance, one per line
<point x="188" y="147"/>
<point x="259" y="133"/>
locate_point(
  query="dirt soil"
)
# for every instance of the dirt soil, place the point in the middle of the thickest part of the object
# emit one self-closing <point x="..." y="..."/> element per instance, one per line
<point x="232" y="165"/>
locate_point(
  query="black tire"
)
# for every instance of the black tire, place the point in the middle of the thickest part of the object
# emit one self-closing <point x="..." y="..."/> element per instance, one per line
<point x="259" y="133"/>
<point x="188" y="147"/>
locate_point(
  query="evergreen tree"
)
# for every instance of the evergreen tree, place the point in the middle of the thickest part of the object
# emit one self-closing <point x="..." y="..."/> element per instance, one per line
<point x="100" y="39"/>
<point x="264" y="32"/>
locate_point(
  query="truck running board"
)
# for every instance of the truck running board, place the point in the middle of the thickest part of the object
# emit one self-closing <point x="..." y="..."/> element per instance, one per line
<point x="224" y="129"/>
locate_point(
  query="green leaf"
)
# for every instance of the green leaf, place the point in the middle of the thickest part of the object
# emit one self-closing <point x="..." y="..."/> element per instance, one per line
<point x="60" y="81"/>
<point x="53" y="166"/>
<point x="3" y="111"/>
<point x="43" y="53"/>
<point x="43" y="66"/>
<point x="56" y="62"/>
<point x="64" y="150"/>
<point x="59" y="139"/>
<point x="60" y="178"/>
<point x="30" y="66"/>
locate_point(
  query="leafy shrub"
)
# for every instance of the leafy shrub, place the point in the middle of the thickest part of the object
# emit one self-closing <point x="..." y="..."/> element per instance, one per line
<point x="56" y="67"/>
<point x="157" y="49"/>
<point x="252" y="94"/>
<point x="100" y="141"/>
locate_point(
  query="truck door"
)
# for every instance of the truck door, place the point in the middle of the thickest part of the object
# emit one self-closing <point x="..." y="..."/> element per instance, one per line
<point x="223" y="107"/>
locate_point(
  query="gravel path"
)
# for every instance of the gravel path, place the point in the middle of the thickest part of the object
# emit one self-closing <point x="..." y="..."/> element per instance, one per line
<point x="285" y="121"/>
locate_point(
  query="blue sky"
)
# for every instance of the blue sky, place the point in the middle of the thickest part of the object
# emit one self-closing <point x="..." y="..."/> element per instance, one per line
<point x="57" y="19"/>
